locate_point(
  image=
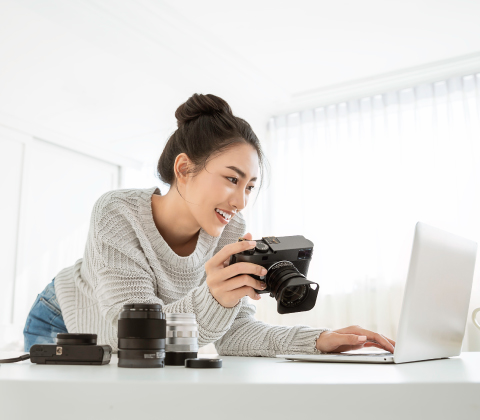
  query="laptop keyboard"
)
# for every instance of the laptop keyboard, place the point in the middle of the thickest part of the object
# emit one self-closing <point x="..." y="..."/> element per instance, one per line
<point x="366" y="354"/>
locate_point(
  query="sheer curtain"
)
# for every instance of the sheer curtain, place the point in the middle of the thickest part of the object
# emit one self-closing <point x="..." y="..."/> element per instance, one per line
<point x="354" y="178"/>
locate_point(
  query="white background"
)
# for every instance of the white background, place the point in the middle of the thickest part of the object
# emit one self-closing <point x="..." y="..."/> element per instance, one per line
<point x="88" y="90"/>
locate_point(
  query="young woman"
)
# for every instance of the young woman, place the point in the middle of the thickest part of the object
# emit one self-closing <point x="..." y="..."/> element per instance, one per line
<point x="174" y="250"/>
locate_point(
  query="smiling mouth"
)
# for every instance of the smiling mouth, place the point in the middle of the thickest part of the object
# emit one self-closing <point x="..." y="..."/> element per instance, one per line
<point x="223" y="215"/>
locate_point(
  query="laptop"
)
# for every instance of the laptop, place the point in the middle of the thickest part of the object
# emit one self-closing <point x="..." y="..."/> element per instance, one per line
<point x="435" y="303"/>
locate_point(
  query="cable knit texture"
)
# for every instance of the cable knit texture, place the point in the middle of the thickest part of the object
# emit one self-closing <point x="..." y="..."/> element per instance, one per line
<point x="126" y="260"/>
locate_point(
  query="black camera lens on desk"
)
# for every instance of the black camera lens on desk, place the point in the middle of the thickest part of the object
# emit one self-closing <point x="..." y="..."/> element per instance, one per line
<point x="141" y="336"/>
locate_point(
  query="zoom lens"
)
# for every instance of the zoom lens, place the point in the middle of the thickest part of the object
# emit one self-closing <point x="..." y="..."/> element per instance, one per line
<point x="182" y="338"/>
<point x="141" y="336"/>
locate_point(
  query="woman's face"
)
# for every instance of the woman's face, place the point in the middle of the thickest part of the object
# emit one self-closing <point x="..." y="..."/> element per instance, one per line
<point x="225" y="184"/>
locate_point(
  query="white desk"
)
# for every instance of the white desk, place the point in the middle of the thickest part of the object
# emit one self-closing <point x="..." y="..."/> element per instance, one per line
<point x="247" y="388"/>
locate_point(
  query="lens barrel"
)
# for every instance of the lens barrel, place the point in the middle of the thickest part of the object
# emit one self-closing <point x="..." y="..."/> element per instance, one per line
<point x="141" y="336"/>
<point x="182" y="338"/>
<point x="292" y="291"/>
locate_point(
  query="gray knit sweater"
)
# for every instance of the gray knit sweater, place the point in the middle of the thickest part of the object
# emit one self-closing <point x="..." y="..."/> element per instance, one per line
<point x="126" y="260"/>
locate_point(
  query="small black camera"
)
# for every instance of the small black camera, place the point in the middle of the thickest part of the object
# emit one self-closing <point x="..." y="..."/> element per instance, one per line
<point x="287" y="259"/>
<point x="71" y="349"/>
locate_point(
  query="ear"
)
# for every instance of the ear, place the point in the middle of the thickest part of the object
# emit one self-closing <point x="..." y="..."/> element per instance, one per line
<point x="181" y="166"/>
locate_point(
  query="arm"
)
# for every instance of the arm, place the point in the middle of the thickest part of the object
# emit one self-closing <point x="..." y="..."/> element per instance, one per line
<point x="122" y="275"/>
<point x="118" y="286"/>
<point x="249" y="337"/>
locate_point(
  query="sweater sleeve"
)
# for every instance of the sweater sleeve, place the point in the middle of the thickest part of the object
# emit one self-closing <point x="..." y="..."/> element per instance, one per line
<point x="123" y="275"/>
<point x="118" y="286"/>
<point x="249" y="337"/>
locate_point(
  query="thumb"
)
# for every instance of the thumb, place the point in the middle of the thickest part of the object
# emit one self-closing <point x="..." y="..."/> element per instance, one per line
<point x="248" y="236"/>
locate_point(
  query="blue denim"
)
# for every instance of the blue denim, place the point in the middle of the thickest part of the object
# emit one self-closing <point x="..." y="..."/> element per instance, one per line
<point x="44" y="320"/>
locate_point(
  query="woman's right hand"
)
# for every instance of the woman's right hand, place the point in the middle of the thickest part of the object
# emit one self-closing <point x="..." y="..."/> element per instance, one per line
<point x="229" y="284"/>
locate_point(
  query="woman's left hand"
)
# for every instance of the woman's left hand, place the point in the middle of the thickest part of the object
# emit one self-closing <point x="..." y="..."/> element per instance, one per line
<point x="352" y="338"/>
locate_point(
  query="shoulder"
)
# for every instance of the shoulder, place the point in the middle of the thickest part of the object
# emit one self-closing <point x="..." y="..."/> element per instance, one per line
<point x="120" y="207"/>
<point x="125" y="196"/>
<point x="122" y="199"/>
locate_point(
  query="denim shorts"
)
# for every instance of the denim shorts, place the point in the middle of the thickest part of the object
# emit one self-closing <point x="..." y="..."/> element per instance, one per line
<point x="44" y="320"/>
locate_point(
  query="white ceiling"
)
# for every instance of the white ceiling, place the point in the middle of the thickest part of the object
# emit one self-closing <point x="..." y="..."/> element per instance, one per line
<point x="112" y="72"/>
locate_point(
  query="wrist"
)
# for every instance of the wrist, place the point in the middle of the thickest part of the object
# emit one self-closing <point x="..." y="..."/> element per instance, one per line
<point x="317" y="344"/>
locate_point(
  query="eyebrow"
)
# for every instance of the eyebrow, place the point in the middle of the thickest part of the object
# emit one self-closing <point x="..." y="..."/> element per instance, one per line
<point x="240" y="172"/>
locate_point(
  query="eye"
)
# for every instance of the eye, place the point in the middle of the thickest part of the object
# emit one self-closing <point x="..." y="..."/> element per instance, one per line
<point x="250" y="188"/>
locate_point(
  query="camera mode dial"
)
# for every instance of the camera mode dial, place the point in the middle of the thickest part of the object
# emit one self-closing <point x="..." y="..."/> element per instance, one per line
<point x="261" y="247"/>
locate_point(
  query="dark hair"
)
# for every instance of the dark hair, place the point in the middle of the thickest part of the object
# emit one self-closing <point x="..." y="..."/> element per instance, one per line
<point x="206" y="128"/>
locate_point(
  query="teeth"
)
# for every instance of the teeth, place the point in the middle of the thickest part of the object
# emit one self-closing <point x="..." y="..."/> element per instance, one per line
<point x="225" y="215"/>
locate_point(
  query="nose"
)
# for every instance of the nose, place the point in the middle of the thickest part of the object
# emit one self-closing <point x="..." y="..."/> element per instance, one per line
<point x="239" y="200"/>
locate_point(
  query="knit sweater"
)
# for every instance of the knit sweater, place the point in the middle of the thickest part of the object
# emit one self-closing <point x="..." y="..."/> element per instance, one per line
<point x="126" y="260"/>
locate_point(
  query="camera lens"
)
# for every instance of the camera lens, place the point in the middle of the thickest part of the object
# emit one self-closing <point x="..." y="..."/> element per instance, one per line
<point x="141" y="336"/>
<point x="294" y="296"/>
<point x="182" y="339"/>
<point x="283" y="279"/>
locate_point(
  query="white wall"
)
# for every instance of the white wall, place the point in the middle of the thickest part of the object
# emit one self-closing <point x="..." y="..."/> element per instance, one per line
<point x="47" y="195"/>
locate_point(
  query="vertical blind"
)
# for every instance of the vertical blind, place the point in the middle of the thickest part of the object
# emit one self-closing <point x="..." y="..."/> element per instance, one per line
<point x="354" y="178"/>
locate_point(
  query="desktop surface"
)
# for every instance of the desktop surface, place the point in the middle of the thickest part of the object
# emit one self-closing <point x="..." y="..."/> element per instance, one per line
<point x="246" y="387"/>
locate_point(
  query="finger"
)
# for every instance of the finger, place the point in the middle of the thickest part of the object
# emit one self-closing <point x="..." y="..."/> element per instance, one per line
<point x="381" y="340"/>
<point x="243" y="268"/>
<point x="371" y="336"/>
<point x="240" y="281"/>
<point x="369" y="344"/>
<point x="345" y="341"/>
<point x="245" y="291"/>
<point x="389" y="340"/>
<point x="357" y="347"/>
<point x="227" y="251"/>
<point x="248" y="236"/>
<point x="341" y="349"/>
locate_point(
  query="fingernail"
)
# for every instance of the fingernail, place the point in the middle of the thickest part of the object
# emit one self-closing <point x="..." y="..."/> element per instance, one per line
<point x="257" y="295"/>
<point x="263" y="286"/>
<point x="253" y="243"/>
<point x="362" y="338"/>
<point x="264" y="271"/>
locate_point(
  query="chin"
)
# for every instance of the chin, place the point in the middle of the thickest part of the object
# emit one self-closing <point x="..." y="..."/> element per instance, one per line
<point x="214" y="231"/>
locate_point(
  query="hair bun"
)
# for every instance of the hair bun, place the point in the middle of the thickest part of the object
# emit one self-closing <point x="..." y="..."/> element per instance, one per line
<point x="198" y="105"/>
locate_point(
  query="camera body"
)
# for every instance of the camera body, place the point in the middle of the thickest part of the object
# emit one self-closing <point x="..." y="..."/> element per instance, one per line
<point x="71" y="349"/>
<point x="287" y="259"/>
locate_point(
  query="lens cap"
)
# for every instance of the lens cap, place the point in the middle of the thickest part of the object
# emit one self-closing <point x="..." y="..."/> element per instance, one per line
<point x="203" y="363"/>
<point x="76" y="339"/>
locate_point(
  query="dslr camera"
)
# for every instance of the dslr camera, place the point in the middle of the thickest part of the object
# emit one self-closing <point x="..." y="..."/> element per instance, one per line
<point x="287" y="259"/>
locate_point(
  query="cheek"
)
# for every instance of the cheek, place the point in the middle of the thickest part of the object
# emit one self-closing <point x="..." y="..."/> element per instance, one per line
<point x="218" y="192"/>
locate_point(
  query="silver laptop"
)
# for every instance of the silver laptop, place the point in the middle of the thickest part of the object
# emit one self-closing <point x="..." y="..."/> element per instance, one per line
<point x="435" y="303"/>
